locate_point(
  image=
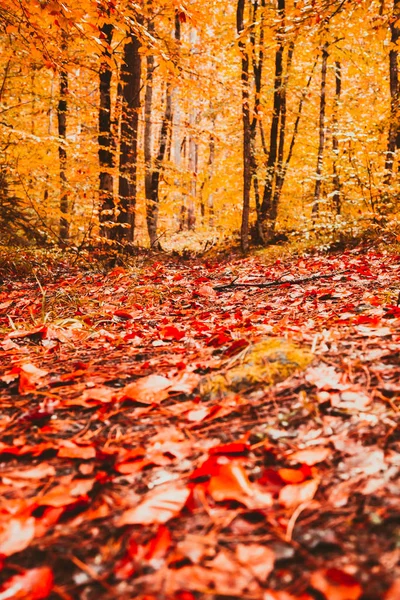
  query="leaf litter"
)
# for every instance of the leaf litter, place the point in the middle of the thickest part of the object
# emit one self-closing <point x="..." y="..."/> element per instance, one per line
<point x="173" y="436"/>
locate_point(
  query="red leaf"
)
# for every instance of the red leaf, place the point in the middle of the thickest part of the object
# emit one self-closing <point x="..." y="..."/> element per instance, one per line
<point x="393" y="592"/>
<point x="336" y="584"/>
<point x="159" y="506"/>
<point x="158" y="546"/>
<point x="172" y="333"/>
<point x="35" y="584"/>
<point x="232" y="448"/>
<point x="124" y="315"/>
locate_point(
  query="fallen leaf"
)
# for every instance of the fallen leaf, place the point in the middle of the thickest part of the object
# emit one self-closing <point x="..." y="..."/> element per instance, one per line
<point x="34" y="584"/>
<point x="148" y="390"/>
<point x="310" y="456"/>
<point x="29" y="377"/>
<point x="294" y="495"/>
<point x="257" y="558"/>
<point x="393" y="592"/>
<point x="63" y="495"/>
<point x="325" y="377"/>
<point x="70" y="450"/>
<point x="159" y="506"/>
<point x="39" y="472"/>
<point x="16" y="535"/>
<point x="336" y="584"/>
<point x="170" y="332"/>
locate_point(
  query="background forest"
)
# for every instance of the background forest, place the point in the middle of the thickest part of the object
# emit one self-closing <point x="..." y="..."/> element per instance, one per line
<point x="138" y="122"/>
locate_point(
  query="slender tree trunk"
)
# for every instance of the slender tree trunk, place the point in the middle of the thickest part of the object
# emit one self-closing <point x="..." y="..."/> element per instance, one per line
<point x="247" y="167"/>
<point x="280" y="167"/>
<point x="105" y="138"/>
<point x="321" y="146"/>
<point x="148" y="147"/>
<point x="192" y="153"/>
<point x="394" y="127"/>
<point x="130" y="93"/>
<point x="62" y="151"/>
<point x="153" y="175"/>
<point x="266" y="212"/>
<point x="335" y="141"/>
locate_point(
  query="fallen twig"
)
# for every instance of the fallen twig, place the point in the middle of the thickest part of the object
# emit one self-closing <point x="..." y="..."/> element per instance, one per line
<point x="268" y="284"/>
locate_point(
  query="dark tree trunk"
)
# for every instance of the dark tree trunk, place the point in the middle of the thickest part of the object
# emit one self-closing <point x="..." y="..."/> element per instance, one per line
<point x="62" y="151"/>
<point x="321" y="129"/>
<point x="130" y="95"/>
<point x="266" y="212"/>
<point x="280" y="170"/>
<point x="105" y="138"/>
<point x="247" y="166"/>
<point x="335" y="141"/>
<point x="153" y="174"/>
<point x="394" y="127"/>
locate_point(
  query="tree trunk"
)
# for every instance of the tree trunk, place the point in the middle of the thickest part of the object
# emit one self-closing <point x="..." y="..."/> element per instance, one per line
<point x="394" y="127"/>
<point x="192" y="153"/>
<point x="335" y="141"/>
<point x="105" y="138"/>
<point x="244" y="232"/>
<point x="62" y="150"/>
<point x="321" y="146"/>
<point x="266" y="212"/>
<point x="152" y="182"/>
<point x="280" y="167"/>
<point x="124" y="232"/>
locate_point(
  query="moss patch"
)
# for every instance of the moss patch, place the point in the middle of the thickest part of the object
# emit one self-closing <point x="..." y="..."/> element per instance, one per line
<point x="260" y="365"/>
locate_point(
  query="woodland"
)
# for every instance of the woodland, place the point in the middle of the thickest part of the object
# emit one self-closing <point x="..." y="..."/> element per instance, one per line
<point x="199" y="300"/>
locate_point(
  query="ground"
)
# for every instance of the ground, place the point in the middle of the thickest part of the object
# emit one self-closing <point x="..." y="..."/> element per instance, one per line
<point x="202" y="429"/>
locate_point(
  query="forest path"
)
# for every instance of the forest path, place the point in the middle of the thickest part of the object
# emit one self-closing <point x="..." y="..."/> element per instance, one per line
<point x="154" y="446"/>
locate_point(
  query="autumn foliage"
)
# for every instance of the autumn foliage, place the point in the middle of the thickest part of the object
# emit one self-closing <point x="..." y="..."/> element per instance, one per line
<point x="127" y="122"/>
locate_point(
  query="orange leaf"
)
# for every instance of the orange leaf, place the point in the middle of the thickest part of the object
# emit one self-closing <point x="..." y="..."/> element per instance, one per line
<point x="293" y="495"/>
<point x="16" y="535"/>
<point x="159" y="506"/>
<point x="393" y="592"/>
<point x="29" y="377"/>
<point x="230" y="482"/>
<point x="71" y="450"/>
<point x="291" y="475"/>
<point x="257" y="558"/>
<point x="35" y="584"/>
<point x="63" y="495"/>
<point x="336" y="584"/>
<point x="148" y="390"/>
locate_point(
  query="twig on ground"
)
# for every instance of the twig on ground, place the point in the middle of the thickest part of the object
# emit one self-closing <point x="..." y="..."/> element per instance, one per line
<point x="268" y="284"/>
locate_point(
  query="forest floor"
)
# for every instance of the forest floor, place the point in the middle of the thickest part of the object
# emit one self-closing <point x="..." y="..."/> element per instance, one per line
<point x="163" y="439"/>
